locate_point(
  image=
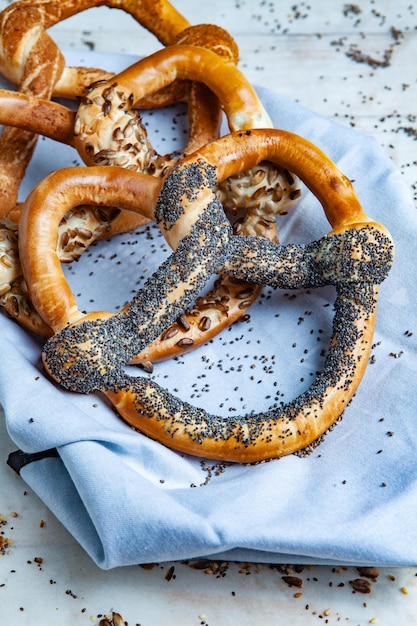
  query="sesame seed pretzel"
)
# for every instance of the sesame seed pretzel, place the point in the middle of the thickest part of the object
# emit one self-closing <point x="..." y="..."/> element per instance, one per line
<point x="109" y="131"/>
<point x="89" y="354"/>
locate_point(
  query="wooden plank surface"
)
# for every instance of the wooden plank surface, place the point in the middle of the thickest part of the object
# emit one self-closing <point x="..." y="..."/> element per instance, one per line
<point x="352" y="62"/>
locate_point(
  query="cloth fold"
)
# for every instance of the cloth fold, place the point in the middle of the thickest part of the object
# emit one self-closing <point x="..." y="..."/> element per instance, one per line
<point x="127" y="499"/>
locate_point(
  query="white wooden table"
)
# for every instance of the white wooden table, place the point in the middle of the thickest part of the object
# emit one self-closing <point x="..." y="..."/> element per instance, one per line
<point x="353" y="62"/>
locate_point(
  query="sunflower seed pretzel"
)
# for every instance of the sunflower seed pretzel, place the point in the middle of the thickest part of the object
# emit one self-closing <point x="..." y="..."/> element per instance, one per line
<point x="108" y="131"/>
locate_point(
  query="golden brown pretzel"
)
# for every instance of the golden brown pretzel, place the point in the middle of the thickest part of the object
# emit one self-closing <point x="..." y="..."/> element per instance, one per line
<point x="106" y="113"/>
<point x="110" y="132"/>
<point x="25" y="46"/>
<point x="106" y="129"/>
<point x="17" y="143"/>
<point x="90" y="353"/>
<point x="31" y="115"/>
<point x="30" y="59"/>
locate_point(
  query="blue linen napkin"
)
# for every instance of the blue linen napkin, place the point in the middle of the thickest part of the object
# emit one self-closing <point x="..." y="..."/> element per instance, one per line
<point x="127" y="499"/>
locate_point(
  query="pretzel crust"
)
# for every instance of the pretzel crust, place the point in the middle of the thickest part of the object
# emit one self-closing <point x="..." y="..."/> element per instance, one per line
<point x="25" y="44"/>
<point x="30" y="59"/>
<point x="355" y="256"/>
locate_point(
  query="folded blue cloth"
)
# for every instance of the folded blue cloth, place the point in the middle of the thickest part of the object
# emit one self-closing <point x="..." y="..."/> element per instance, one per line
<point x="128" y="499"/>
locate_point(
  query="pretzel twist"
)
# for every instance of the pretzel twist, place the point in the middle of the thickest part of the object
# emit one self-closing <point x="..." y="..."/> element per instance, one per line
<point x="89" y="354"/>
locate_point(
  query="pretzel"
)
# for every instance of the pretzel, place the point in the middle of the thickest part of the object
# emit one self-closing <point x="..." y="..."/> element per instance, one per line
<point x="30" y="59"/>
<point x="105" y="116"/>
<point x="36" y="115"/>
<point x="90" y="352"/>
<point x="109" y="132"/>
<point x="25" y="44"/>
<point x="30" y="115"/>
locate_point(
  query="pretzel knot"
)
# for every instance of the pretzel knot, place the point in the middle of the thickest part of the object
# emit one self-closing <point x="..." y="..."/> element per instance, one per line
<point x="355" y="256"/>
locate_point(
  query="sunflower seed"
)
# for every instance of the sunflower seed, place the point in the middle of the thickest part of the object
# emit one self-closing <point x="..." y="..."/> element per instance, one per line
<point x="169" y="332"/>
<point x="183" y="323"/>
<point x="245" y="293"/>
<point x="204" y="323"/>
<point x="4" y="288"/>
<point x="185" y="342"/>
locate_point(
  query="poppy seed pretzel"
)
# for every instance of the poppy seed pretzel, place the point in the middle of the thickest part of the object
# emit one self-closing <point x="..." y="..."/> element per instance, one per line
<point x="90" y="353"/>
<point x="108" y="131"/>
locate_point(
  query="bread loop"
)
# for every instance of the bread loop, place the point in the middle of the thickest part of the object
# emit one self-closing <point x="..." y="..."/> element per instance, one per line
<point x="109" y="131"/>
<point x="355" y="256"/>
<point x="204" y="109"/>
<point x="30" y="59"/>
<point x="25" y="46"/>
